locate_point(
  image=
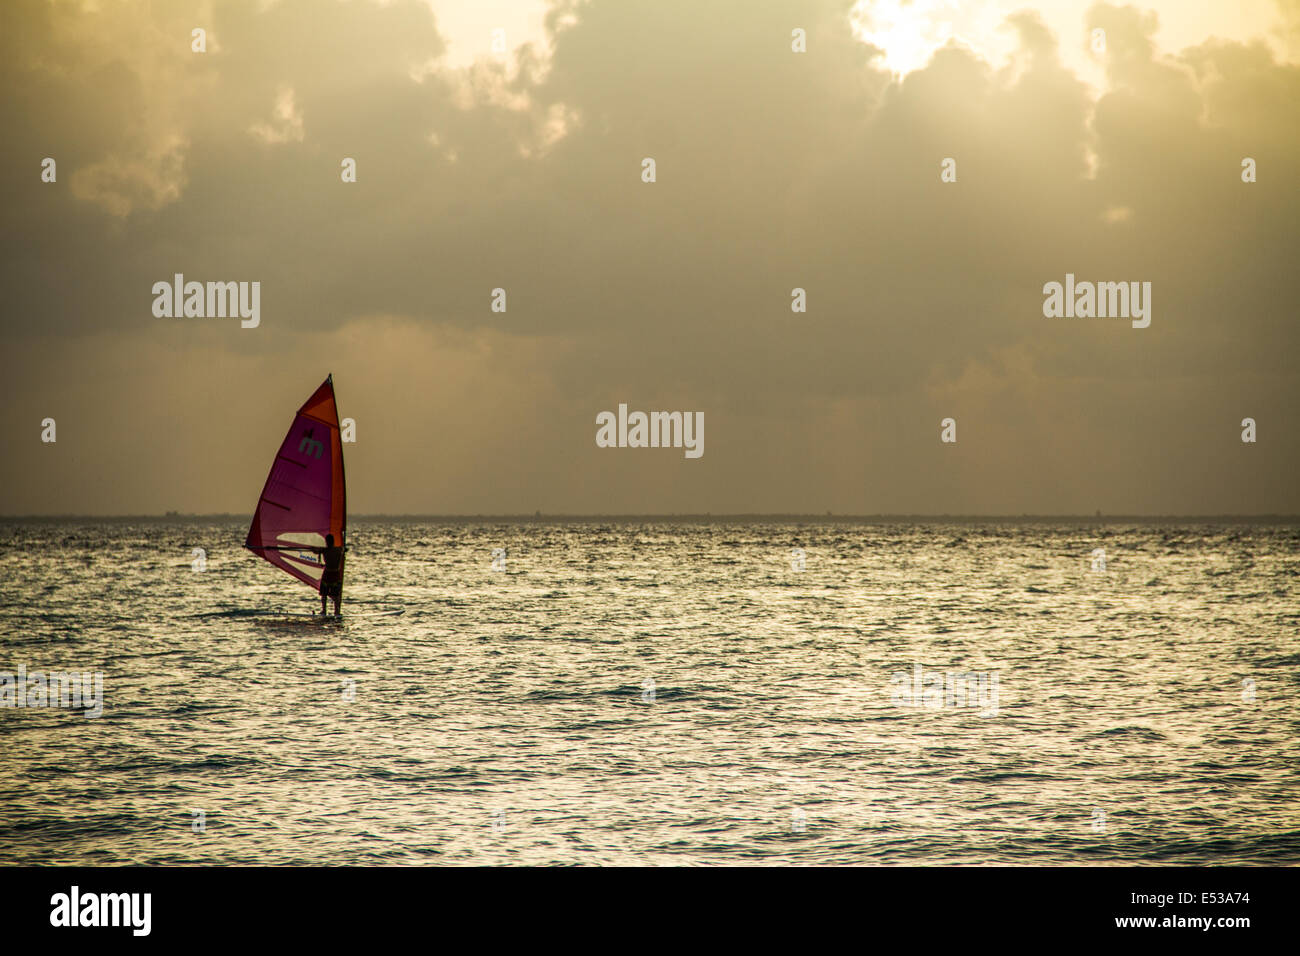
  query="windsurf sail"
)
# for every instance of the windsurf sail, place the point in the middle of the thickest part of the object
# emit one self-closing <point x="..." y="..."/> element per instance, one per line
<point x="304" y="498"/>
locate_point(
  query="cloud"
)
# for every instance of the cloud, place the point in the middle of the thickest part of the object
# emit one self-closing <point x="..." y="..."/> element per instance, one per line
<point x="286" y="125"/>
<point x="121" y="184"/>
<point x="775" y="170"/>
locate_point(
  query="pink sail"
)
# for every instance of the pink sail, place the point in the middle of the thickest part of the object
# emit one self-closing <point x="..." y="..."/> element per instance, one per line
<point x="304" y="498"/>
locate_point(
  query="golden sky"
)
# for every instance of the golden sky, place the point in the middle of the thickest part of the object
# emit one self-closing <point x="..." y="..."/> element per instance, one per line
<point x="521" y="169"/>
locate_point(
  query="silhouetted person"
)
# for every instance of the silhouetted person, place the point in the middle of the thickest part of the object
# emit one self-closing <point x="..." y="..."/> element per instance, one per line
<point x="331" y="581"/>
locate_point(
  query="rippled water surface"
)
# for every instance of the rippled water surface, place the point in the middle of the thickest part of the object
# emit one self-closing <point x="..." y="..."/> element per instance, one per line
<point x="658" y="693"/>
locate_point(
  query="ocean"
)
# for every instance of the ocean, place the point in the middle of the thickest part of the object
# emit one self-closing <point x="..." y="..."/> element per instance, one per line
<point x="658" y="692"/>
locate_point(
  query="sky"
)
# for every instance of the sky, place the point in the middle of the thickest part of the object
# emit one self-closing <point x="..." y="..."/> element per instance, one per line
<point x="520" y="168"/>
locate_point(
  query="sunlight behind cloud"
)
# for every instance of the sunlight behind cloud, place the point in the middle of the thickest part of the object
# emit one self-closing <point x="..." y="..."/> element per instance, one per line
<point x="908" y="32"/>
<point x="467" y="28"/>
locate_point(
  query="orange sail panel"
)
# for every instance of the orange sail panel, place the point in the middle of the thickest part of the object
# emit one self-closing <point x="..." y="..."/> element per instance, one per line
<point x="304" y="498"/>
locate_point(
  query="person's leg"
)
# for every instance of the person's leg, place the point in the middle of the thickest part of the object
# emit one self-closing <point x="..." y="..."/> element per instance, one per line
<point x="338" y="598"/>
<point x="322" y="602"/>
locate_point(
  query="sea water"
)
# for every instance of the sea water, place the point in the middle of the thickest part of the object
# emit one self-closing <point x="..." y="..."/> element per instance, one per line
<point x="659" y="692"/>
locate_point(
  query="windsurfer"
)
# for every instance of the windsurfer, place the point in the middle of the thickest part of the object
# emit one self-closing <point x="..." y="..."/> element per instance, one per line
<point x="331" y="581"/>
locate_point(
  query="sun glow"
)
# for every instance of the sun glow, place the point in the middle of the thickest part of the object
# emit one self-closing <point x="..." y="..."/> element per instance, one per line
<point x="908" y="32"/>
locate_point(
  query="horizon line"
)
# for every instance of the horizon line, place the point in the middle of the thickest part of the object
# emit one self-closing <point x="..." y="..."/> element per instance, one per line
<point x="693" y="515"/>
